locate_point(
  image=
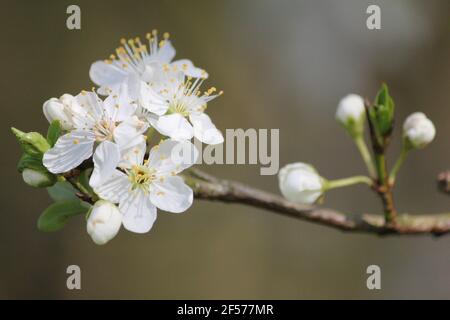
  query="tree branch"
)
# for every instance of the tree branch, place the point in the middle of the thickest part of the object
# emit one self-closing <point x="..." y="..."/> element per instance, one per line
<point x="211" y="188"/>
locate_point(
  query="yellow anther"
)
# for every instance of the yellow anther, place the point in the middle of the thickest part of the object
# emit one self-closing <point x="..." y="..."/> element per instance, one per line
<point x="123" y="41"/>
<point x="75" y="141"/>
<point x="166" y="35"/>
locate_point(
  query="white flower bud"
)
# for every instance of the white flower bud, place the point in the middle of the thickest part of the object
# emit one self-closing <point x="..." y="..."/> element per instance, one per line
<point x="300" y="182"/>
<point x="104" y="222"/>
<point x="350" y="109"/>
<point x="38" y="179"/>
<point x="418" y="130"/>
<point x="59" y="109"/>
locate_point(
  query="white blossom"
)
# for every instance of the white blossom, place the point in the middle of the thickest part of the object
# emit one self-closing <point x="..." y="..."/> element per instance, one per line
<point x="299" y="182"/>
<point x="140" y="187"/>
<point x="142" y="60"/>
<point x="418" y="130"/>
<point x="180" y="107"/>
<point x="94" y="121"/>
<point x="104" y="222"/>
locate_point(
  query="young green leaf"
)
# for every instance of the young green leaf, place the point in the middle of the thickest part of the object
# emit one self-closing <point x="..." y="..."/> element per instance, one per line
<point x="53" y="133"/>
<point x="384" y="106"/>
<point x="62" y="191"/>
<point x="56" y="215"/>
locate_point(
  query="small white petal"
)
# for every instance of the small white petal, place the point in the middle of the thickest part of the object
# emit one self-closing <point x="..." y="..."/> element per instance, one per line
<point x="171" y="194"/>
<point x="139" y="213"/>
<point x="106" y="74"/>
<point x="166" y="53"/>
<point x="69" y="151"/>
<point x="133" y="155"/>
<point x="172" y="157"/>
<point x="106" y="158"/>
<point x="152" y="101"/>
<point x="118" y="106"/>
<point x="91" y="109"/>
<point x="129" y="132"/>
<point x="189" y="69"/>
<point x="115" y="188"/>
<point x="205" y="130"/>
<point x="175" y="126"/>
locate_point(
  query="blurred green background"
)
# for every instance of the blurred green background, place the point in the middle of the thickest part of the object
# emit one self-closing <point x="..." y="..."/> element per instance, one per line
<point x="282" y="64"/>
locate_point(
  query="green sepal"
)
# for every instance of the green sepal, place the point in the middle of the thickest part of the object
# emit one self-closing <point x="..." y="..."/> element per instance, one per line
<point x="53" y="132"/>
<point x="32" y="143"/>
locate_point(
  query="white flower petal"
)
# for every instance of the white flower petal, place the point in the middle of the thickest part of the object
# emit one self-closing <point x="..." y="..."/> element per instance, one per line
<point x="152" y="101"/>
<point x="90" y="109"/>
<point x="128" y="133"/>
<point x="166" y="53"/>
<point x="133" y="155"/>
<point x="69" y="151"/>
<point x="171" y="194"/>
<point x="205" y="130"/>
<point x="106" y="74"/>
<point x="106" y="158"/>
<point x="175" y="126"/>
<point x="115" y="188"/>
<point x="189" y="69"/>
<point x="171" y="157"/>
<point x="139" y="213"/>
<point x="119" y="106"/>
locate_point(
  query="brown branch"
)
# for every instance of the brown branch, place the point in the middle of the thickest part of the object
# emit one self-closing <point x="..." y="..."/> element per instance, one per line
<point x="214" y="189"/>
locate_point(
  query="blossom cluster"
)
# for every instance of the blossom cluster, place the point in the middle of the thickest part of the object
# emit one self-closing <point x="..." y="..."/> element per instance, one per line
<point x="140" y="89"/>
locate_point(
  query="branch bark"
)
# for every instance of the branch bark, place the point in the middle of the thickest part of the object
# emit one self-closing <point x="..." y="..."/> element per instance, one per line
<point x="210" y="188"/>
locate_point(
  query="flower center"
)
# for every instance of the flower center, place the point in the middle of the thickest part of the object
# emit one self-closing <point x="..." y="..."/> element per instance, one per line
<point x="104" y="130"/>
<point x="141" y="177"/>
<point x="178" y="107"/>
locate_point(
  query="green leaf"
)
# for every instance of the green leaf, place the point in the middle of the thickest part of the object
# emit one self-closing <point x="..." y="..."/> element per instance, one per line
<point x="62" y="191"/>
<point x="384" y="107"/>
<point x="56" y="215"/>
<point x="30" y="162"/>
<point x="32" y="143"/>
<point x="53" y="133"/>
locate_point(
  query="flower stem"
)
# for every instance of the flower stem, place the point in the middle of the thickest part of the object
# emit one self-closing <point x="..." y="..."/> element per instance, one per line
<point x="339" y="183"/>
<point x="365" y="154"/>
<point x="380" y="161"/>
<point x="398" y="164"/>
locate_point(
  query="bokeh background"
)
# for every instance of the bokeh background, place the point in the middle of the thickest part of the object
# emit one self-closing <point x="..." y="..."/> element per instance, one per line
<point x="282" y="64"/>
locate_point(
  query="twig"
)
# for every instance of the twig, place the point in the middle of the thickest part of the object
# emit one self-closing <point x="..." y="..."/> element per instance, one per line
<point x="235" y="192"/>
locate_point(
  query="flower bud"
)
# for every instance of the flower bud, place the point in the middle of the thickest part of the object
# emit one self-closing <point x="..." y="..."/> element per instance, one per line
<point x="104" y="222"/>
<point x="300" y="182"/>
<point x="32" y="143"/>
<point x="59" y="109"/>
<point x="351" y="112"/>
<point x="418" y="130"/>
<point x="37" y="178"/>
